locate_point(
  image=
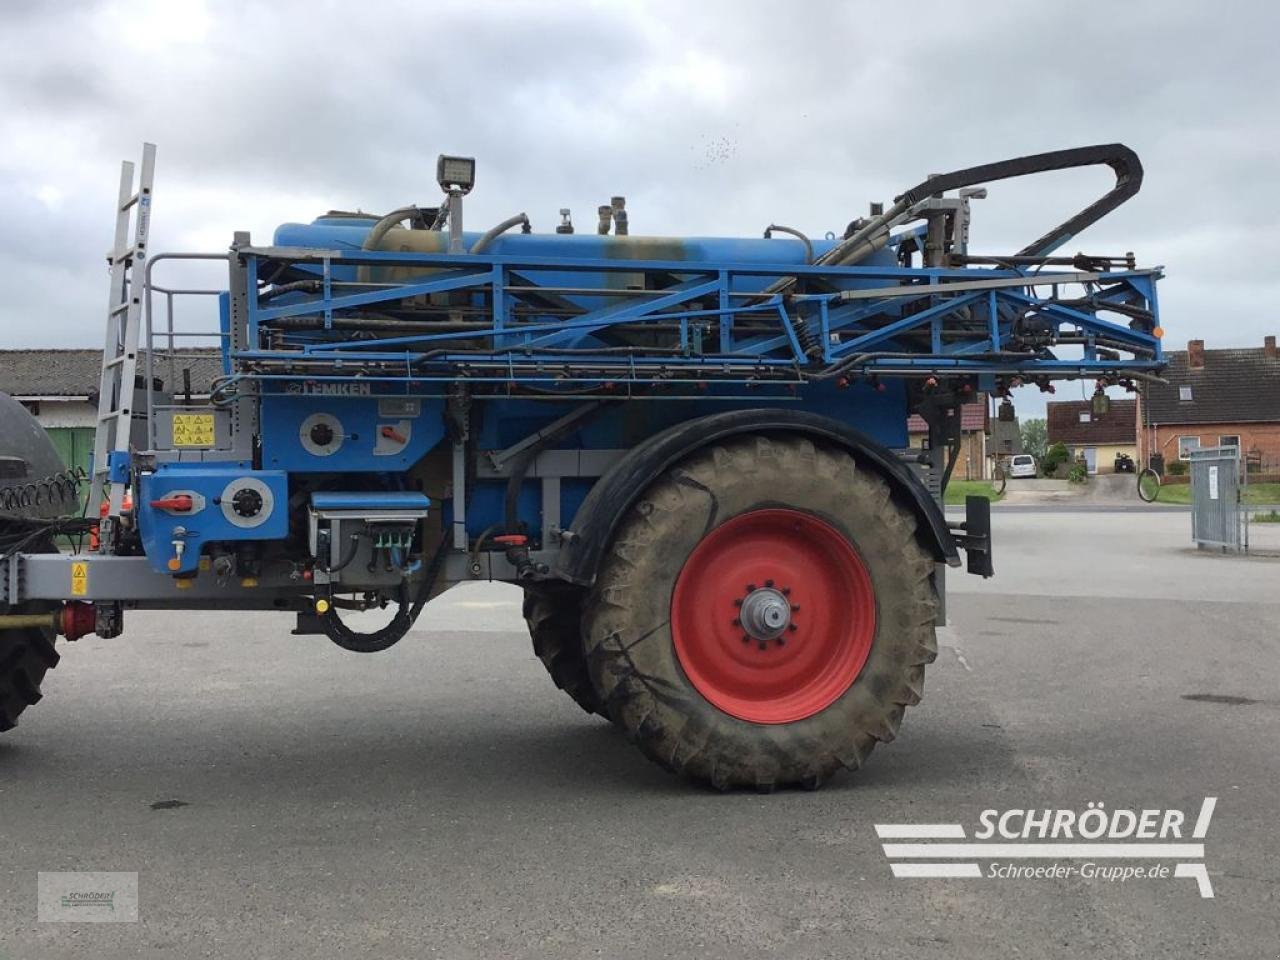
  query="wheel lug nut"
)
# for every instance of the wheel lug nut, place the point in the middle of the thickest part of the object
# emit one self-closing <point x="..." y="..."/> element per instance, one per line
<point x="795" y="608"/>
<point x="764" y="645"/>
<point x="786" y="591"/>
<point x="768" y="583"/>
<point x="745" y="638"/>
<point x="737" y="621"/>
<point x="738" y="602"/>
<point x="782" y="641"/>
<point x="792" y="627"/>
<point x="751" y="588"/>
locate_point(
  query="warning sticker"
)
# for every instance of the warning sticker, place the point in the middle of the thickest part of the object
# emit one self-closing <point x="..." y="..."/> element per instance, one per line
<point x="193" y="429"/>
<point x="79" y="579"/>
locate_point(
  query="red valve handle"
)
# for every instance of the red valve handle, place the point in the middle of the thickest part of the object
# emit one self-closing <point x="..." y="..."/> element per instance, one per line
<point x="180" y="501"/>
<point x="511" y="539"/>
<point x="391" y="433"/>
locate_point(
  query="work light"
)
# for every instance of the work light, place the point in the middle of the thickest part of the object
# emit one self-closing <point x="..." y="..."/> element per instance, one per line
<point x="456" y="173"/>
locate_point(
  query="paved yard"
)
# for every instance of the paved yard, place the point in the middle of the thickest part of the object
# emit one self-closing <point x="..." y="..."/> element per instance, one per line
<point x="443" y="800"/>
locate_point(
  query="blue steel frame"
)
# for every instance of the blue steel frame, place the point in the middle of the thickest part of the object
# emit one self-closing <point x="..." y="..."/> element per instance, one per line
<point x="969" y="315"/>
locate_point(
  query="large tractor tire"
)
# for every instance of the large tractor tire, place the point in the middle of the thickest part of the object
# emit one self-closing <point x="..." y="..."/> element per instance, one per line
<point x="25" y="657"/>
<point x="554" y="615"/>
<point x="30" y="461"/>
<point x="764" y="615"/>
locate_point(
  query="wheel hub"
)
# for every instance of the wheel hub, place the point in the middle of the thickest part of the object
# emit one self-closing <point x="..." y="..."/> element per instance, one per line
<point x="773" y="615"/>
<point x="765" y="613"/>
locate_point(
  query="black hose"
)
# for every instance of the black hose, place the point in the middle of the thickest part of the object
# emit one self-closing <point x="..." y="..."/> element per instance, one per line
<point x="530" y="453"/>
<point x="347" y="556"/>
<point x="407" y="612"/>
<point x="484" y="535"/>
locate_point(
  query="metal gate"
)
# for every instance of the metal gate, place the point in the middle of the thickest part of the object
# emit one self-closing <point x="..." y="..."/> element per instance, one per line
<point x="1217" y="517"/>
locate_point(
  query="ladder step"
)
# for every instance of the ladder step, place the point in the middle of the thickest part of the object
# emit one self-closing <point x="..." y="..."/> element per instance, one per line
<point x="128" y="253"/>
<point x="115" y="361"/>
<point x="119" y="308"/>
<point x="144" y="190"/>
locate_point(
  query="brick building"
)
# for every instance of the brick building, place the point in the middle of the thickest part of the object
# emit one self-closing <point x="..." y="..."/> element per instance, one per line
<point x="976" y="460"/>
<point x="1214" y="398"/>
<point x="1096" y="437"/>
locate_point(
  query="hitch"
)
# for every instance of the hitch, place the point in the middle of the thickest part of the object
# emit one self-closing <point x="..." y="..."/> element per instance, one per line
<point x="973" y="536"/>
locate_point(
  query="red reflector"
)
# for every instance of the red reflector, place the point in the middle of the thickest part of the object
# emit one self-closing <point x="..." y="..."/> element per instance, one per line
<point x="76" y="619"/>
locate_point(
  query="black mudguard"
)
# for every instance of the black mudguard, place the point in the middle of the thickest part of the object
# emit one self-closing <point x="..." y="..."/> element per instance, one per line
<point x="614" y="493"/>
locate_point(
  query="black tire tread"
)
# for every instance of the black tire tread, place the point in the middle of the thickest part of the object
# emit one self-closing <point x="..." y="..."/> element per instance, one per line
<point x="25" y="657"/>
<point x="554" y="616"/>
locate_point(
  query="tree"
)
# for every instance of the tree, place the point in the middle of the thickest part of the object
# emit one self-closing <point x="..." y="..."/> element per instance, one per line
<point x="1034" y="437"/>
<point x="1054" y="457"/>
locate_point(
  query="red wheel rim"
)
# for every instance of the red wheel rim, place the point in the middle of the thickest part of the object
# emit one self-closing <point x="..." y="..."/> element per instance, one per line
<point x="726" y="645"/>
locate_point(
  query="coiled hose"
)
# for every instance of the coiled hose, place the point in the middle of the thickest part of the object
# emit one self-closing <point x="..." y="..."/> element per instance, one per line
<point x="407" y="612"/>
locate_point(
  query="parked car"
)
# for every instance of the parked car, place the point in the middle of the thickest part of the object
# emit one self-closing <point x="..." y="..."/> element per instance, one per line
<point x="1023" y="465"/>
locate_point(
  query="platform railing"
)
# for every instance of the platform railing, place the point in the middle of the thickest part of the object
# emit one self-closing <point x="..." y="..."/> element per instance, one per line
<point x="169" y="336"/>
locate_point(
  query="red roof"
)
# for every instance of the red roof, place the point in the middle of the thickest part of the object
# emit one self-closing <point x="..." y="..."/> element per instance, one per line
<point x="1117" y="425"/>
<point x="973" y="418"/>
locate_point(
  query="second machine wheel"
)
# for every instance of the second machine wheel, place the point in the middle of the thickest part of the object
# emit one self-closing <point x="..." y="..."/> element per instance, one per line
<point x="554" y="616"/>
<point x="764" y="615"/>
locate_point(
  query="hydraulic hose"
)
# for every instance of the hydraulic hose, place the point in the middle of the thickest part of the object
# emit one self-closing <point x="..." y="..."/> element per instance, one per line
<point x="874" y="234"/>
<point x="373" y="239"/>
<point x="348" y="554"/>
<point x="407" y="613"/>
<point x="380" y="229"/>
<point x="525" y="460"/>
<point x="773" y="228"/>
<point x="492" y="234"/>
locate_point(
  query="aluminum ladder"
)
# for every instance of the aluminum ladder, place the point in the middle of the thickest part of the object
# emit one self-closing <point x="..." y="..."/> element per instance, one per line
<point x="116" y="390"/>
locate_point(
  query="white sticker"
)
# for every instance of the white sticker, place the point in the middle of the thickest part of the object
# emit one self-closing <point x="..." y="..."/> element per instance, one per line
<point x="1213" y="483"/>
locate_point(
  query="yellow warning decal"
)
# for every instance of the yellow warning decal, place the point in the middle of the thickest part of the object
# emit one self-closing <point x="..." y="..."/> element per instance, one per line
<point x="193" y="429"/>
<point x="79" y="579"/>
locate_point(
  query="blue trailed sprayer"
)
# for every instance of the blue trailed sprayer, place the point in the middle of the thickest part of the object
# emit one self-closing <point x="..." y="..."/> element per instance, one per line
<point x="691" y="454"/>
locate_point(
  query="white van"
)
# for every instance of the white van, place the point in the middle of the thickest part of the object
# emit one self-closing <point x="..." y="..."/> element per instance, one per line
<point x="1023" y="465"/>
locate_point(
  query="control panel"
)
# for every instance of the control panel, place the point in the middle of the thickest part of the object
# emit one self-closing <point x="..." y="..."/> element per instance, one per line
<point x="304" y="433"/>
<point x="183" y="507"/>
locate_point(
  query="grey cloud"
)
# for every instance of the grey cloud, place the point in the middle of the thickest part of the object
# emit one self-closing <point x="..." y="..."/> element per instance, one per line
<point x="711" y="117"/>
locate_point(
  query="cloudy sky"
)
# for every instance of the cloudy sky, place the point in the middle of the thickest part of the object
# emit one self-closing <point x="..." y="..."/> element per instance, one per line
<point x="712" y="118"/>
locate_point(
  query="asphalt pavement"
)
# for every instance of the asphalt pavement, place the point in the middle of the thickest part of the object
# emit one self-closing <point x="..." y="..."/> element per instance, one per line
<point x="279" y="797"/>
